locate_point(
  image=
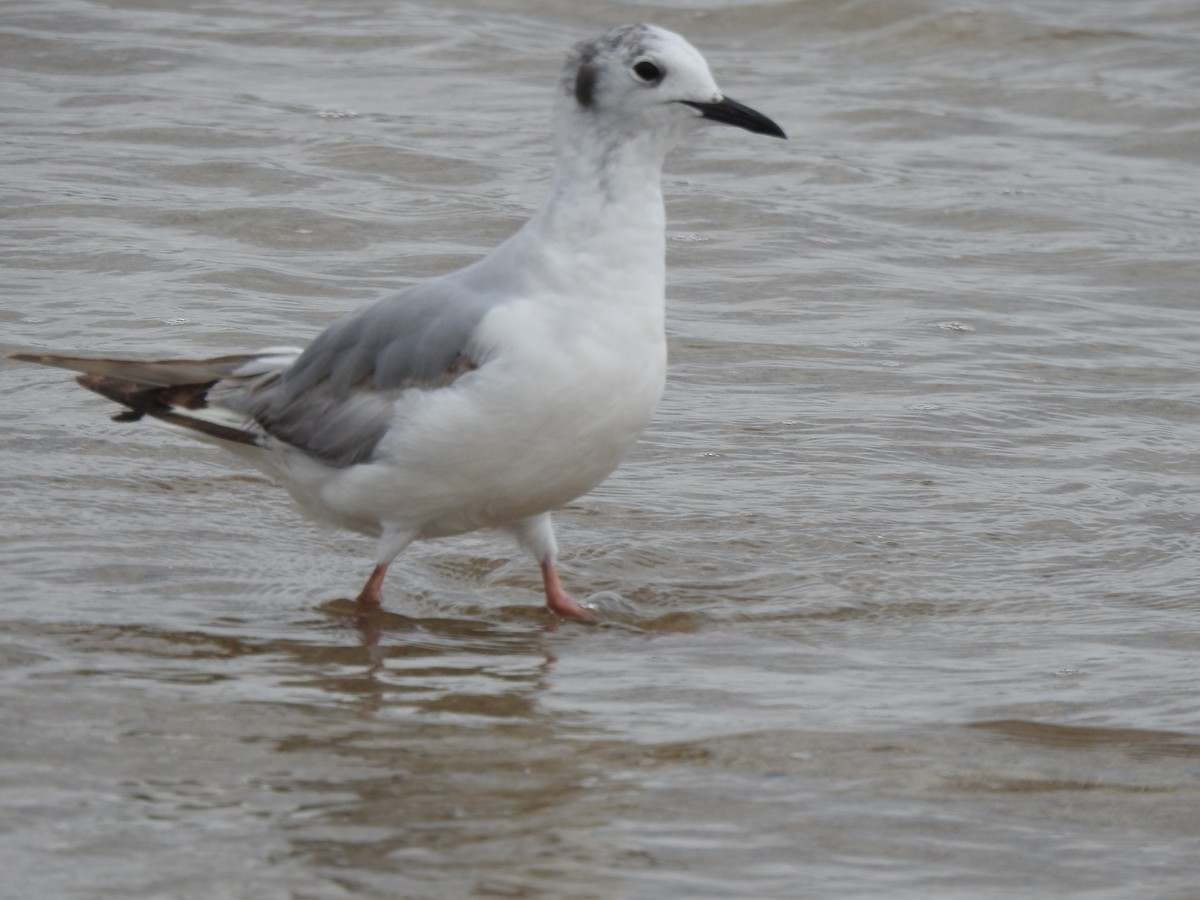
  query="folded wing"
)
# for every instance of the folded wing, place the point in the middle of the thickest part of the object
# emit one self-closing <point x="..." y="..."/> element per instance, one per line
<point x="334" y="400"/>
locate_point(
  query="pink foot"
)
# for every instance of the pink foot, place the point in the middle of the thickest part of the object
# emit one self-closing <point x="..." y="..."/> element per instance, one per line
<point x="371" y="596"/>
<point x="557" y="600"/>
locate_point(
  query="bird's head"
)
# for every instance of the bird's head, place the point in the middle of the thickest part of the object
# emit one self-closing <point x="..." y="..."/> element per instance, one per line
<point x="642" y="79"/>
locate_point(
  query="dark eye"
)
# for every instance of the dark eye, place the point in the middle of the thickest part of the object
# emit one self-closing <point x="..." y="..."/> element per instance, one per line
<point x="648" y="71"/>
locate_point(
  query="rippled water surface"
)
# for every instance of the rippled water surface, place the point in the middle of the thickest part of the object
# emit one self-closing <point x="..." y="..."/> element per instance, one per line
<point x="900" y="590"/>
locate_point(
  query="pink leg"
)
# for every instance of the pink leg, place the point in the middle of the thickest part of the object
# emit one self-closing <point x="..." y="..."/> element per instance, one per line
<point x="371" y="596"/>
<point x="557" y="600"/>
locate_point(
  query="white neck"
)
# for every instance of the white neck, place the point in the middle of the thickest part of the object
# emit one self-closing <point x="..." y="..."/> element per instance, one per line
<point x="604" y="214"/>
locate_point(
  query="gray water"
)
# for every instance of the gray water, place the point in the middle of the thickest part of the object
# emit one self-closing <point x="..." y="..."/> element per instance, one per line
<point x="900" y="590"/>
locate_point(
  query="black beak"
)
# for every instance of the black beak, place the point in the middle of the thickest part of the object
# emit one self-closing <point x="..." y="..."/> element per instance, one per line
<point x="733" y="113"/>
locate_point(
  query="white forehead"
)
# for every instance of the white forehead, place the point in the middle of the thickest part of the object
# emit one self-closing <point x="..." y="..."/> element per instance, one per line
<point x="671" y="47"/>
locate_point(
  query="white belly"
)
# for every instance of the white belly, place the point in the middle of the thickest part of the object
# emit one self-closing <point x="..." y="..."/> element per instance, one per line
<point x="525" y="433"/>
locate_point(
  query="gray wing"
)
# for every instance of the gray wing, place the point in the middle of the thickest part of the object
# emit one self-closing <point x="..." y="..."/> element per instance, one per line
<point x="336" y="401"/>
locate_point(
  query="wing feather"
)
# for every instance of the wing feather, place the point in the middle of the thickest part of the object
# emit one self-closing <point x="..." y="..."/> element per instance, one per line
<point x="337" y="400"/>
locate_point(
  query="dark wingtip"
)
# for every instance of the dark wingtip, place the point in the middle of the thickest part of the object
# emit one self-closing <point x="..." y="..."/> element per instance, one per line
<point x="162" y="403"/>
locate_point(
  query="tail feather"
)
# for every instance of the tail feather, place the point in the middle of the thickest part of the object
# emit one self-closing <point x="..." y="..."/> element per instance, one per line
<point x="162" y="372"/>
<point x="169" y="389"/>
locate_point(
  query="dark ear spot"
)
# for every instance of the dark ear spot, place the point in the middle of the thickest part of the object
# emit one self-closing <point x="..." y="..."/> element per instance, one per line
<point x="585" y="85"/>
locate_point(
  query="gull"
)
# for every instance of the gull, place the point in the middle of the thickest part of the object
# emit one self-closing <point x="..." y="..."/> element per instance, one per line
<point x="490" y="396"/>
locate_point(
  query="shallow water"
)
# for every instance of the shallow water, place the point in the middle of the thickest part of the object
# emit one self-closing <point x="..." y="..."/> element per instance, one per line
<point x="899" y="590"/>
